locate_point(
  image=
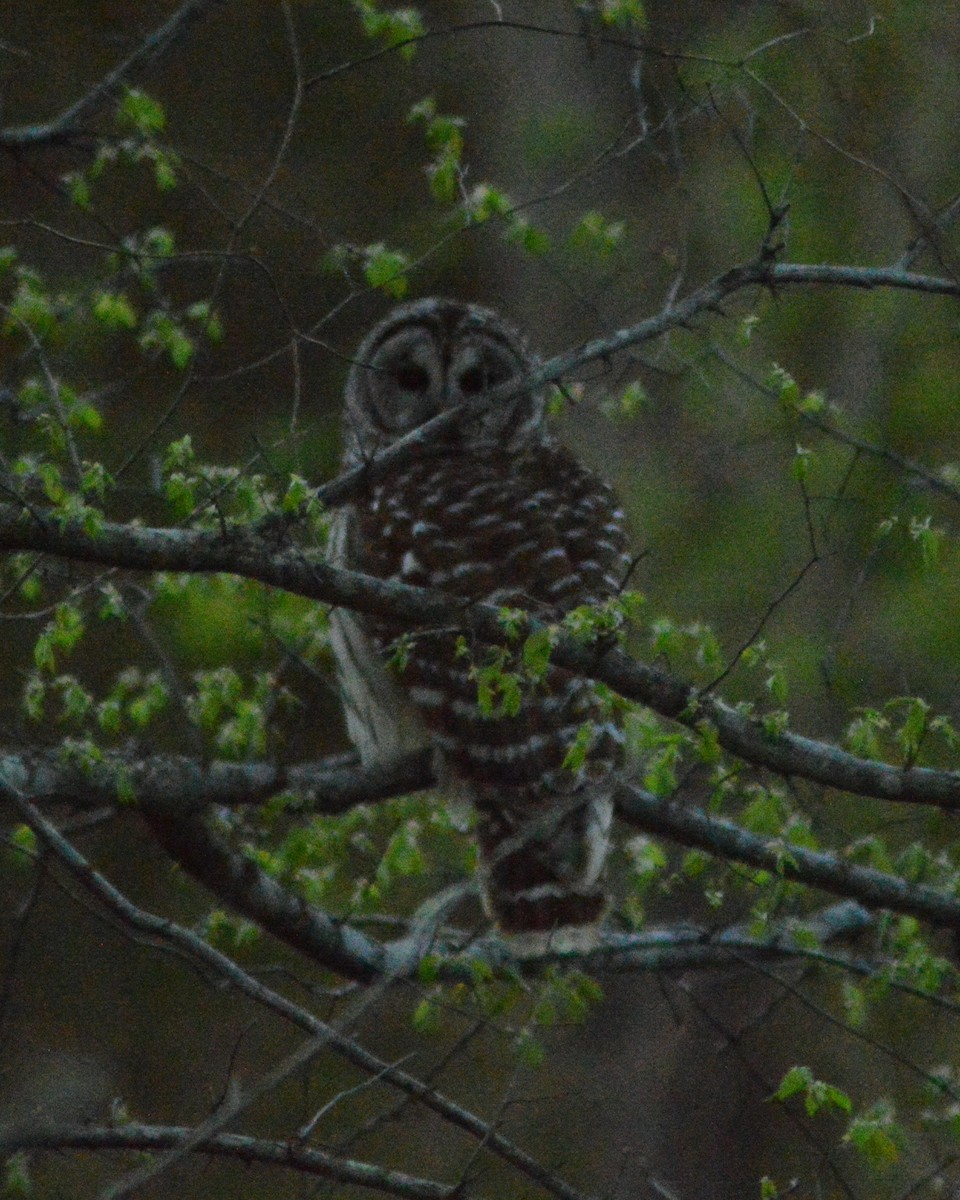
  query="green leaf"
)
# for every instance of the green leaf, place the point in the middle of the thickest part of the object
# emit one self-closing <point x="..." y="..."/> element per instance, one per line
<point x="23" y="838"/>
<point x="545" y="1012"/>
<point x="695" y="862"/>
<point x="813" y="402"/>
<point x="876" y="1135"/>
<point x="485" y="202"/>
<point x="158" y="242"/>
<point x="297" y="495"/>
<point x="625" y="14"/>
<point x="403" y="855"/>
<point x="31" y="307"/>
<point x="114" y="310"/>
<point x="424" y="110"/>
<point x="534" y="241"/>
<point x="782" y="382"/>
<point x="35" y="689"/>
<point x="776" y="684"/>
<point x="428" y="969"/>
<point x="396" y="27"/>
<point x="162" y="332"/>
<point x="537" y="650"/>
<point x="802" y="458"/>
<point x="747" y="326"/>
<point x="78" y="188"/>
<point x="800" y="1081"/>
<point x="928" y="538"/>
<point x="796" y="1080"/>
<point x="444" y="176"/>
<point x="529" y="1050"/>
<point x="775" y="723"/>
<point x="913" y="729"/>
<point x="16" y="1176"/>
<point x="854" y="1004"/>
<point x="862" y="733"/>
<point x="576" y="755"/>
<point x="385" y="269"/>
<point x="598" y="235"/>
<point x="76" y="700"/>
<point x="109" y="716"/>
<point x="164" y="171"/>
<point x="85" y="417"/>
<point x="142" y="112"/>
<point x="426" y="1016"/>
<point x="96" y="479"/>
<point x="647" y="860"/>
<point x="179" y="454"/>
<point x="512" y="620"/>
<point x="633" y="399"/>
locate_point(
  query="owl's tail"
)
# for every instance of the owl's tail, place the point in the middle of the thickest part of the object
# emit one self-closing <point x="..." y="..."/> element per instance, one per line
<point x="541" y="861"/>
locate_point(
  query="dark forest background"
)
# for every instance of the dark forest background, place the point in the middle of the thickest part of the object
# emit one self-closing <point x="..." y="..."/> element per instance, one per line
<point x="789" y="464"/>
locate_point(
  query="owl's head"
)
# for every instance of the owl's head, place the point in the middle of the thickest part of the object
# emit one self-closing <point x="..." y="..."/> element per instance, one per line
<point x="430" y="356"/>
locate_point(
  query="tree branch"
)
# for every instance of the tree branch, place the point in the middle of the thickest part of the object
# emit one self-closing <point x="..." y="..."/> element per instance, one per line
<point x="238" y="881"/>
<point x="67" y="124"/>
<point x="291" y="1154"/>
<point x="708" y="298"/>
<point x="195" y="950"/>
<point x="175" y="785"/>
<point x="249" y="890"/>
<point x="691" y="827"/>
<point x="243" y="553"/>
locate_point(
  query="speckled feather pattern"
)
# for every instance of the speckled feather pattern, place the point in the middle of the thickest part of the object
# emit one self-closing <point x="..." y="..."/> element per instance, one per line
<point x="538" y="532"/>
<point x="493" y="509"/>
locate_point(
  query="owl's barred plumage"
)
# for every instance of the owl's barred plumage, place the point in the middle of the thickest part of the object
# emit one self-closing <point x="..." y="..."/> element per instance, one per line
<point x="496" y="510"/>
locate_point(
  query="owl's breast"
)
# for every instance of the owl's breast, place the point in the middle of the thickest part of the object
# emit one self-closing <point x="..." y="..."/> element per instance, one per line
<point x="541" y="532"/>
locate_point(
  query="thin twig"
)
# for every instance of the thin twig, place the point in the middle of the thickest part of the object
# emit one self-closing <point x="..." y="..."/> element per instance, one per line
<point x="165" y="932"/>
<point x="67" y="124"/>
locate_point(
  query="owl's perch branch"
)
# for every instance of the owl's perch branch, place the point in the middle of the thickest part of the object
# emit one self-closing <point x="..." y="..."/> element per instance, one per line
<point x="237" y="880"/>
<point x="153" y="549"/>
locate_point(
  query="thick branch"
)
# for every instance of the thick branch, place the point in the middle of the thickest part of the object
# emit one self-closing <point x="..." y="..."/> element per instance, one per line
<point x="876" y="889"/>
<point x="861" y="277"/>
<point x="174" y="785"/>
<point x="152" y="549"/>
<point x="691" y="947"/>
<point x="249" y="890"/>
<point x="291" y="1154"/>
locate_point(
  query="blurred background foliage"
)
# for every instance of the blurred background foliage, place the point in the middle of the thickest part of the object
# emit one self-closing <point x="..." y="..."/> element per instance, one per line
<point x="288" y="181"/>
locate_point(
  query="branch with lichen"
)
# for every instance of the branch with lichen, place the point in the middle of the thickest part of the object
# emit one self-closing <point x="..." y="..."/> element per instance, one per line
<point x="243" y="553"/>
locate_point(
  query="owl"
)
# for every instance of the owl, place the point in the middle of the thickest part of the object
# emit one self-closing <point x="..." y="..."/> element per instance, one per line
<point x="497" y="510"/>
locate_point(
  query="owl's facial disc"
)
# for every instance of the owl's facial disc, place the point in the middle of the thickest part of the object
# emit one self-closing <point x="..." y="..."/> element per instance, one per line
<point x="433" y="355"/>
<point x="404" y="383"/>
<point x="477" y="368"/>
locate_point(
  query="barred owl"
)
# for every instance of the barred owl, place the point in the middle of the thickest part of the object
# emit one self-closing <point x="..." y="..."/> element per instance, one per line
<point x="495" y="510"/>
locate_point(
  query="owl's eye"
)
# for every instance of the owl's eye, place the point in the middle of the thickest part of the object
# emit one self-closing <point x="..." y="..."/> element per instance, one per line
<point x="412" y="378"/>
<point x="473" y="381"/>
